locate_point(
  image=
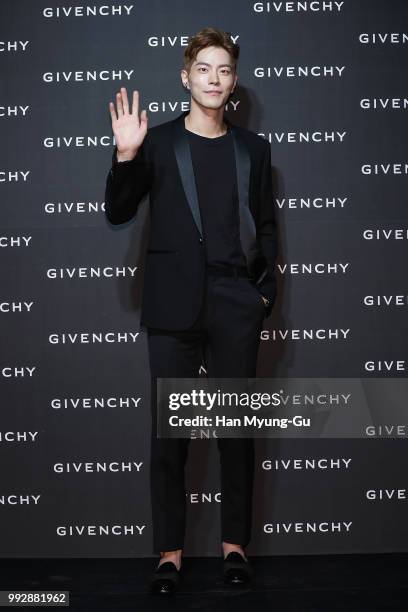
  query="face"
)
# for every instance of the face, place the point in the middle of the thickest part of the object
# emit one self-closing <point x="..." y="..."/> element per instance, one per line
<point x="211" y="71"/>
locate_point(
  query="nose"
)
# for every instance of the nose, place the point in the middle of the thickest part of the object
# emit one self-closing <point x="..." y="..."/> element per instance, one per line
<point x="214" y="77"/>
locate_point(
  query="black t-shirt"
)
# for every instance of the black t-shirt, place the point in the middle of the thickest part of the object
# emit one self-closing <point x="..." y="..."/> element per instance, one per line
<point x="215" y="176"/>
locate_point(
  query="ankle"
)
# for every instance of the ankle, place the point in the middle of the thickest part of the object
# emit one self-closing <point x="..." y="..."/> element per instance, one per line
<point x="171" y="555"/>
<point x="228" y="547"/>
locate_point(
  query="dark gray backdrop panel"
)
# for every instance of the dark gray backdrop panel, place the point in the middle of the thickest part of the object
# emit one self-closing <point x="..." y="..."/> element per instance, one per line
<point x="75" y="414"/>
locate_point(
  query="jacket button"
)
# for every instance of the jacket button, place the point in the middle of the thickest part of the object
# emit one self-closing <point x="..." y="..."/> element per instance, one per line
<point x="200" y="239"/>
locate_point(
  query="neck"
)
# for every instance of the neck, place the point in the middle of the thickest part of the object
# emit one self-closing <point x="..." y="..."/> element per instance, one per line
<point x="207" y="122"/>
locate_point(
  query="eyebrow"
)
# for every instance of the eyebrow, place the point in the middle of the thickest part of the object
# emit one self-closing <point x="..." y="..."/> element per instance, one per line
<point x="219" y="65"/>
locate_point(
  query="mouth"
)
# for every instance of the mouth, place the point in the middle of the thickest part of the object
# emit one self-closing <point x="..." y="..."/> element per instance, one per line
<point x="213" y="93"/>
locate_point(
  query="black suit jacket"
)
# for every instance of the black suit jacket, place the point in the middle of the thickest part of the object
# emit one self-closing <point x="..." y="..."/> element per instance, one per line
<point x="175" y="263"/>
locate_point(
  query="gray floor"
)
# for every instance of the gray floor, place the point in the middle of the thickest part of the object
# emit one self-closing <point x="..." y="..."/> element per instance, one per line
<point x="329" y="583"/>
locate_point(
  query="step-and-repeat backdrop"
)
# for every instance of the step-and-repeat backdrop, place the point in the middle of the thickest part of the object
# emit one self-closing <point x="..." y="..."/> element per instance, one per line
<point x="325" y="83"/>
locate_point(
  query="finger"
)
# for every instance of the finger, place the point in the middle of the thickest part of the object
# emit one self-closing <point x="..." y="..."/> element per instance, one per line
<point x="112" y="111"/>
<point x="135" y="103"/>
<point x="143" y="117"/>
<point x="119" y="105"/>
<point x="125" y="101"/>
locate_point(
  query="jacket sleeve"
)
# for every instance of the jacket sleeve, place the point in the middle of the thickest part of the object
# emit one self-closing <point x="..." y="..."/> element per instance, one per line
<point x="267" y="231"/>
<point x="126" y="185"/>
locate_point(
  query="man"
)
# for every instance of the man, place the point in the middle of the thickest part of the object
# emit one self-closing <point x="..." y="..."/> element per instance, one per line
<point x="209" y="275"/>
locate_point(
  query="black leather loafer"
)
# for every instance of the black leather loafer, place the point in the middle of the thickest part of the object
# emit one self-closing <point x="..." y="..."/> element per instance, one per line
<point x="165" y="579"/>
<point x="236" y="570"/>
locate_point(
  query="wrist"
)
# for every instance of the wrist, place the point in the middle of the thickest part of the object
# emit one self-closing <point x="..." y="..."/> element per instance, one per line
<point x="122" y="156"/>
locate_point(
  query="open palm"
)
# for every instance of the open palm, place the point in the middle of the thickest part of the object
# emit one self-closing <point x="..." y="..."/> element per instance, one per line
<point x="128" y="129"/>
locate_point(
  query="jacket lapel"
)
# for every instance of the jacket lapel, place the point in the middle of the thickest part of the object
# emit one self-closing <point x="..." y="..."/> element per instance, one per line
<point x="185" y="166"/>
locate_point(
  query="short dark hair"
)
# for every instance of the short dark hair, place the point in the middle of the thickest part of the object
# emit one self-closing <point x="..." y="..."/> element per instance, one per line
<point x="208" y="37"/>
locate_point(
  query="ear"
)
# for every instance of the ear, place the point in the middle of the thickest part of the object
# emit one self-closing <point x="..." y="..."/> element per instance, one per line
<point x="183" y="76"/>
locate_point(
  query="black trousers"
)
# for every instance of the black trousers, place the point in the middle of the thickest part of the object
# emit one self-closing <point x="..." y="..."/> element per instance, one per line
<point x="225" y="339"/>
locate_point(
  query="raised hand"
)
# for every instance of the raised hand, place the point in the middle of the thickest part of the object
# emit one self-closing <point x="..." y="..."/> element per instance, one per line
<point x="128" y="129"/>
